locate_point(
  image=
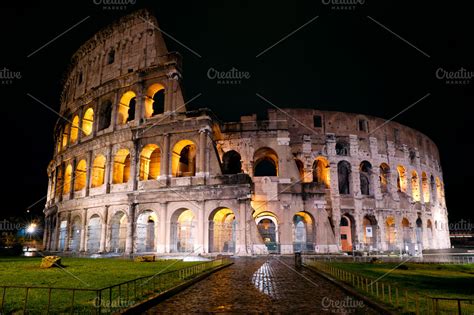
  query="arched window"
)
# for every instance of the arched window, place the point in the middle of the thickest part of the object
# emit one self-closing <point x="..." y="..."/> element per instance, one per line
<point x="439" y="190"/>
<point x="265" y="162"/>
<point x="342" y="148"/>
<point x="74" y="129"/>
<point x="343" y="176"/>
<point x="59" y="180"/>
<point x="402" y="179"/>
<point x="155" y="100"/>
<point x="415" y="186"/>
<point x="384" y="177"/>
<point x="67" y="180"/>
<point x="321" y="171"/>
<point x="150" y="160"/>
<point x="105" y="115"/>
<point x="80" y="175"/>
<point x="300" y="167"/>
<point x="111" y="57"/>
<point x="425" y="186"/>
<point x="365" y="171"/>
<point x="88" y="121"/>
<point x="231" y="163"/>
<point x="183" y="162"/>
<point x="98" y="171"/>
<point x="121" y="166"/>
<point x="126" y="108"/>
<point x="65" y="137"/>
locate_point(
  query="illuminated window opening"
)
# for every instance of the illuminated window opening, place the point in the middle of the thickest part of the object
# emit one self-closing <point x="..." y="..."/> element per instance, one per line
<point x="88" y="121"/>
<point x="98" y="171"/>
<point x="150" y="160"/>
<point x="121" y="172"/>
<point x="80" y="175"/>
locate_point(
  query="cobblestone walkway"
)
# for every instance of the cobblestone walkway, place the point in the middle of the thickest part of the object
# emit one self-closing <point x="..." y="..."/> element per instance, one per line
<point x="262" y="285"/>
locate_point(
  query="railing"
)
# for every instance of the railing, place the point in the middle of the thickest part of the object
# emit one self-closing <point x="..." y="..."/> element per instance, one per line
<point x="399" y="298"/>
<point x="427" y="259"/>
<point x="111" y="299"/>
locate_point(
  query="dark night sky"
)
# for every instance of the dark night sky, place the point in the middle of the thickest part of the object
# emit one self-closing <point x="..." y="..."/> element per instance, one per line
<point x="341" y="61"/>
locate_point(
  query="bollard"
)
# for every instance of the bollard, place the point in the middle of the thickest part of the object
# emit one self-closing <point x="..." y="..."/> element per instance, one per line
<point x="298" y="262"/>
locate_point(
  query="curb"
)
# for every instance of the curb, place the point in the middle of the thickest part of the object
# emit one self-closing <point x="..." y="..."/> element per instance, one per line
<point x="375" y="305"/>
<point x="160" y="297"/>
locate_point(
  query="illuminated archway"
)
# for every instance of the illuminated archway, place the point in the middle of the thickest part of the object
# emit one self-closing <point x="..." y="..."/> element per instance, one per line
<point x="65" y="136"/>
<point x="390" y="233"/>
<point x="62" y="235"/>
<point x="425" y="186"/>
<point x="222" y="230"/>
<point x="93" y="234"/>
<point x="267" y="226"/>
<point x="155" y="100"/>
<point x="121" y="167"/>
<point x="80" y="175"/>
<point x="415" y="186"/>
<point x="406" y="230"/>
<point x="439" y="194"/>
<point x="118" y="232"/>
<point x="88" y="121"/>
<point x="384" y="177"/>
<point x="265" y="162"/>
<point x="402" y="179"/>
<point x="321" y="172"/>
<point x="347" y="229"/>
<point x="429" y="231"/>
<point x="183" y="161"/>
<point x="75" y="239"/>
<point x="67" y="180"/>
<point x="303" y="232"/>
<point x="183" y="231"/>
<point x="369" y="224"/>
<point x="74" y="129"/>
<point x="147" y="224"/>
<point x="98" y="171"/>
<point x="150" y="160"/>
<point x="126" y="108"/>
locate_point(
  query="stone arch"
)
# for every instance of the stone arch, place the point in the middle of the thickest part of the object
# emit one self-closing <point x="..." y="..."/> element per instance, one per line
<point x="415" y="186"/>
<point x="406" y="232"/>
<point x="155" y="100"/>
<point x="342" y="148"/>
<point x="300" y="167"/>
<point x="231" y="162"/>
<point x="183" y="160"/>
<point x="303" y="232"/>
<point x="390" y="234"/>
<point x="222" y="230"/>
<point x="365" y="173"/>
<point x="65" y="135"/>
<point x="321" y="171"/>
<point x="98" y="171"/>
<point x="74" y="129"/>
<point x="384" y="177"/>
<point x="105" y="115"/>
<point x="419" y="233"/>
<point x="126" y="108"/>
<point x="402" y="179"/>
<point x="147" y="231"/>
<point x="118" y="232"/>
<point x="67" y="179"/>
<point x="369" y="233"/>
<point x="121" y="172"/>
<point x="425" y="187"/>
<point x="183" y="230"/>
<point x="429" y="231"/>
<point x="439" y="190"/>
<point x="150" y="162"/>
<point x="80" y="175"/>
<point x="63" y="234"/>
<point x="347" y="232"/>
<point x="267" y="225"/>
<point x="94" y="229"/>
<point x="76" y="232"/>
<point x="88" y="121"/>
<point x="265" y="162"/>
<point x="344" y="177"/>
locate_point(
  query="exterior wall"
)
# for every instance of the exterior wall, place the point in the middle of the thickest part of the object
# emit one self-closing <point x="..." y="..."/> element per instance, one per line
<point x="283" y="213"/>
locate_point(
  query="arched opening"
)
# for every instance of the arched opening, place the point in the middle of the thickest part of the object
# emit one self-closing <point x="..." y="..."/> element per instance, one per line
<point x="303" y="232"/>
<point x="65" y="137"/>
<point x="88" y="121"/>
<point x="321" y="172"/>
<point x="222" y="231"/>
<point x="433" y="188"/>
<point x="267" y="226"/>
<point x="98" y="171"/>
<point x="384" y="177"/>
<point x="300" y="167"/>
<point x="75" y="129"/>
<point x="62" y="235"/>
<point x="406" y="230"/>
<point x="439" y="194"/>
<point x="150" y="161"/>
<point x="93" y="234"/>
<point x="342" y="148"/>
<point x="265" y="162"/>
<point x="365" y="172"/>
<point x="155" y="100"/>
<point x="425" y="186"/>
<point x="75" y="240"/>
<point x="347" y="229"/>
<point x="59" y="180"/>
<point x="391" y="234"/>
<point x="105" y="115"/>
<point x="118" y="232"/>
<point x="402" y="179"/>
<point x="183" y="231"/>
<point x="429" y="231"/>
<point x="419" y="233"/>
<point x="231" y="163"/>
<point x="121" y="167"/>
<point x="67" y="180"/>
<point x="369" y="224"/>
<point x="183" y="162"/>
<point x="147" y="224"/>
<point x="343" y="176"/>
<point x="126" y="108"/>
<point x="80" y="175"/>
<point x="415" y="186"/>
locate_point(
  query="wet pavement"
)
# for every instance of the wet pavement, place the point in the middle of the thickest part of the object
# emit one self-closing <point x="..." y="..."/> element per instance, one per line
<point x="262" y="285"/>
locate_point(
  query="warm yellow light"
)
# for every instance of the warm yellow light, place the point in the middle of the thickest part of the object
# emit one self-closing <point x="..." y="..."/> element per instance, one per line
<point x="74" y="129"/>
<point x="151" y="91"/>
<point x="67" y="179"/>
<point x="80" y="176"/>
<point x="121" y="166"/>
<point x="150" y="161"/>
<point x="183" y="160"/>
<point x="88" y="121"/>
<point x="98" y="171"/>
<point x="124" y="106"/>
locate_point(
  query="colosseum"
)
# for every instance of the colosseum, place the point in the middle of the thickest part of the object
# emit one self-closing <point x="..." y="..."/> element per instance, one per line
<point x="134" y="171"/>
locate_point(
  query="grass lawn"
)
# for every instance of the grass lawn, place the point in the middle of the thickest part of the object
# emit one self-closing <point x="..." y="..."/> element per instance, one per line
<point x="82" y="273"/>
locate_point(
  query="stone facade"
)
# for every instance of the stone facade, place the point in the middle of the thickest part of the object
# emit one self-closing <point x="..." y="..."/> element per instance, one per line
<point x="134" y="171"/>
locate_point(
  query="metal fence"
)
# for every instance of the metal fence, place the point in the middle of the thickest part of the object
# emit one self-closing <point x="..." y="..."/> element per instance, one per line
<point x="427" y="259"/>
<point x="111" y="299"/>
<point x="399" y="298"/>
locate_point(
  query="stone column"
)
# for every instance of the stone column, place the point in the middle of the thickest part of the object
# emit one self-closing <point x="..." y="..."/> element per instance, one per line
<point x="165" y="159"/>
<point x="109" y="169"/>
<point x="202" y="152"/>
<point x="82" y="246"/>
<point x="241" y="242"/>
<point x="162" y="244"/>
<point x="103" y="231"/>
<point x="130" y="229"/>
<point x="73" y="179"/>
<point x="199" y="246"/>
<point x="56" y="231"/>
<point x="135" y="167"/>
<point x="89" y="172"/>
<point x="69" y="231"/>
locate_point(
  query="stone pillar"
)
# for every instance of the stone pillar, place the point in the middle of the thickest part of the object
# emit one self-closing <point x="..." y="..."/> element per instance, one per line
<point x="56" y="231"/>
<point x="73" y="179"/>
<point x="164" y="229"/>
<point x="199" y="247"/>
<point x="69" y="231"/>
<point x="165" y="159"/>
<point x="89" y="172"/>
<point x="130" y="229"/>
<point x="109" y="168"/>
<point x="103" y="231"/>
<point x="202" y="152"/>
<point x="135" y="165"/>
<point x="285" y="230"/>
<point x="241" y="242"/>
<point x="82" y="246"/>
<point x="46" y="233"/>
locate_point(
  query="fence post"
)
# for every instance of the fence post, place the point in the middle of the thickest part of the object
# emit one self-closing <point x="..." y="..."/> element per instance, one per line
<point x="459" y="307"/>
<point x="406" y="299"/>
<point x="383" y="292"/>
<point x="390" y="293"/>
<point x="417" y="304"/>
<point x="26" y="300"/>
<point x="396" y="295"/>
